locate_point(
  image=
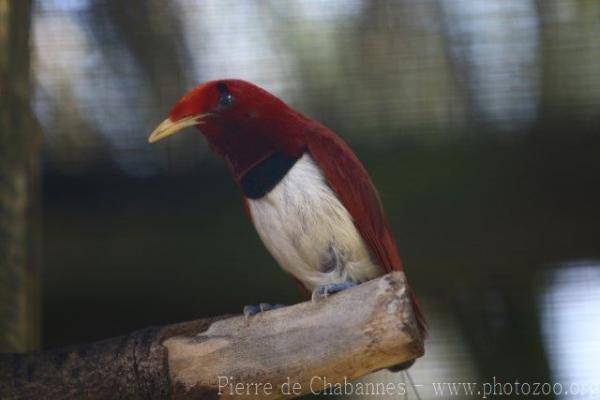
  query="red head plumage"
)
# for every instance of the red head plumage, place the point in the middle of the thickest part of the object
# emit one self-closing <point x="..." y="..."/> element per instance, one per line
<point x="242" y="122"/>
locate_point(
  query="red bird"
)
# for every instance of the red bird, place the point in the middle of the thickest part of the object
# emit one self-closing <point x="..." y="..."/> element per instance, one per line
<point x="309" y="197"/>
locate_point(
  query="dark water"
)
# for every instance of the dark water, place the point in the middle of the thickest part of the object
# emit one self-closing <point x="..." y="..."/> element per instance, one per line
<point x="500" y="239"/>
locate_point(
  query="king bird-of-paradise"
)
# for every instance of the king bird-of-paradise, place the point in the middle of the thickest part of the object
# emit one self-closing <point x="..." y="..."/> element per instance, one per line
<point x="309" y="197"/>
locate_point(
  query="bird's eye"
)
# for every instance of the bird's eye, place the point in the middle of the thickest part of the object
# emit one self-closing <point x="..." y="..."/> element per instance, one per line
<point x="225" y="99"/>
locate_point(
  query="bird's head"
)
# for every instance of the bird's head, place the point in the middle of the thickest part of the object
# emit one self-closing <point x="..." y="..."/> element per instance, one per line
<point x="242" y="122"/>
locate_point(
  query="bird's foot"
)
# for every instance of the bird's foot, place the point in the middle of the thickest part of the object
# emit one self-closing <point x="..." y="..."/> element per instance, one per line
<point x="254" y="309"/>
<point x="322" y="292"/>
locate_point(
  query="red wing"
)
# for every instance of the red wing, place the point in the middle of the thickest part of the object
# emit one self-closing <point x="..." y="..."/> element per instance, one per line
<point x="247" y="208"/>
<point x="348" y="178"/>
<point x="350" y="181"/>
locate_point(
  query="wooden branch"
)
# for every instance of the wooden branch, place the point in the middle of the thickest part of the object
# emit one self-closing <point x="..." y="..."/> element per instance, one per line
<point x="281" y="353"/>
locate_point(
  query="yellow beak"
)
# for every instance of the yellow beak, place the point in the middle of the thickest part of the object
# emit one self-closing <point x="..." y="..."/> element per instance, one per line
<point x="168" y="127"/>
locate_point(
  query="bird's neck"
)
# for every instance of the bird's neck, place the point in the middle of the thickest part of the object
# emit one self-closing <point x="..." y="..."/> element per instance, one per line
<point x="264" y="176"/>
<point x="260" y="153"/>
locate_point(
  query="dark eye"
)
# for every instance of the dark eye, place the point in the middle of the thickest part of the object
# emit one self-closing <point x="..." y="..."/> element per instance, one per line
<point x="225" y="98"/>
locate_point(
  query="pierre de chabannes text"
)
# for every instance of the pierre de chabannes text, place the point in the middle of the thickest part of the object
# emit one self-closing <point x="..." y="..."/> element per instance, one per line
<point x="317" y="384"/>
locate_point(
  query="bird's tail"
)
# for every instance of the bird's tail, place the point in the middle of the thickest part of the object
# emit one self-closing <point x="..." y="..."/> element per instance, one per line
<point x="412" y="384"/>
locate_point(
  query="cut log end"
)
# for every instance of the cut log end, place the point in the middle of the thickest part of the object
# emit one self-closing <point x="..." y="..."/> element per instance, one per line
<point x="346" y="336"/>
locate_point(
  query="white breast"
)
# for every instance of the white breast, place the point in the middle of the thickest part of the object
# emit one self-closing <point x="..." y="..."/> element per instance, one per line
<point x="309" y="232"/>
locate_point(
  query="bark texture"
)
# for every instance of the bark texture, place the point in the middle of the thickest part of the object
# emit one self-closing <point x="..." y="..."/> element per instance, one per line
<point x="348" y="335"/>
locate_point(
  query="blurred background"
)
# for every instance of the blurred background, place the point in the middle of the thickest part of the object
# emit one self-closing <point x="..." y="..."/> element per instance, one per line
<point x="477" y="119"/>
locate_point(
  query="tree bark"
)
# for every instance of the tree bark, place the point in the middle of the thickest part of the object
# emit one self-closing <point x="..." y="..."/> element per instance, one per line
<point x="19" y="179"/>
<point x="286" y="352"/>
